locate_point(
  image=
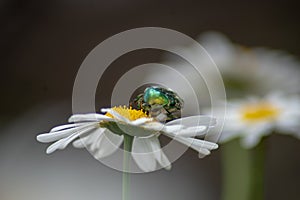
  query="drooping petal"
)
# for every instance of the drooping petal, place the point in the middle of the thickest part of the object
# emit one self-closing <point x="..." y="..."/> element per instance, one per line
<point x="106" y="144"/>
<point x="251" y="140"/>
<point x="142" y="154"/>
<point x="89" y="117"/>
<point x="191" y="131"/>
<point x="78" y="143"/>
<point x="160" y="156"/>
<point x="62" y="143"/>
<point x="100" y="142"/>
<point x="94" y="140"/>
<point x="203" y="152"/>
<point x="164" y="161"/>
<point x="254" y="134"/>
<point x="231" y="131"/>
<point x="202" y="143"/>
<point x="201" y="146"/>
<point x="90" y="139"/>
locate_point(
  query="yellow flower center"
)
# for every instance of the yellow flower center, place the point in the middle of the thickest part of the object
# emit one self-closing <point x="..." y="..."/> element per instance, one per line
<point x="129" y="113"/>
<point x="262" y="111"/>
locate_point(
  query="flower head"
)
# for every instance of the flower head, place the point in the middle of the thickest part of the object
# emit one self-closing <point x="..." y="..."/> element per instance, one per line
<point x="103" y="134"/>
<point x="245" y="70"/>
<point x="256" y="117"/>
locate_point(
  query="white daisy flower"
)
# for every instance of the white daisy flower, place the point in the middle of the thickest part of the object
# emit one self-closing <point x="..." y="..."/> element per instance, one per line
<point x="102" y="135"/>
<point x="254" y="118"/>
<point x="252" y="70"/>
<point x="245" y="70"/>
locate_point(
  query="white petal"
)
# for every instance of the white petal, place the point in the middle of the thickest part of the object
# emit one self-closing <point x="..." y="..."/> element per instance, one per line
<point x="107" y="144"/>
<point x="253" y="136"/>
<point x="202" y="143"/>
<point x="141" y="121"/>
<point x="155" y="126"/>
<point x="289" y="123"/>
<point x="159" y="154"/>
<point x="229" y="135"/>
<point x="199" y="120"/>
<point x="192" y="131"/>
<point x="66" y="126"/>
<point x="139" y="131"/>
<point x="78" y="144"/>
<point x="142" y="154"/>
<point x="203" y="152"/>
<point x="61" y="144"/>
<point x="198" y="145"/>
<point x="95" y="140"/>
<point x="172" y="128"/>
<point x="164" y="161"/>
<point x="53" y="136"/>
<point x="115" y="114"/>
<point x="90" y="139"/>
<point x="251" y="140"/>
<point x="89" y="117"/>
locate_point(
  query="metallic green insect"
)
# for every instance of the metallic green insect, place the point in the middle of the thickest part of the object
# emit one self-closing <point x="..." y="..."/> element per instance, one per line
<point x="161" y="103"/>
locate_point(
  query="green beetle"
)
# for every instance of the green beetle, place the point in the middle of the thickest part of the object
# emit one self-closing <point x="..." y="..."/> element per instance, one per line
<point x="161" y="103"/>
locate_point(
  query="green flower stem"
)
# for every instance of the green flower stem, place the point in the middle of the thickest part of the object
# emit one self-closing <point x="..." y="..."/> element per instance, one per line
<point x="258" y="168"/>
<point x="243" y="171"/>
<point x="126" y="167"/>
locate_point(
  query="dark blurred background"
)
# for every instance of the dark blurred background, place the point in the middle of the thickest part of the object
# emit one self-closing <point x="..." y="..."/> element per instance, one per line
<point x="43" y="44"/>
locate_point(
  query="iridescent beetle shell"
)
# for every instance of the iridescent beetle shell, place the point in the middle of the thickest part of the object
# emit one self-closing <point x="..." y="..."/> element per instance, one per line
<point x="160" y="101"/>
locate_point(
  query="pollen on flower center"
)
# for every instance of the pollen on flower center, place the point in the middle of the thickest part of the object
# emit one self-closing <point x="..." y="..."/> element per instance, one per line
<point x="129" y="113"/>
<point x="259" y="112"/>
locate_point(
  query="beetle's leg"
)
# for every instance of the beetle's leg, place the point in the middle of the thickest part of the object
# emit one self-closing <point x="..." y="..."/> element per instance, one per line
<point x="158" y="112"/>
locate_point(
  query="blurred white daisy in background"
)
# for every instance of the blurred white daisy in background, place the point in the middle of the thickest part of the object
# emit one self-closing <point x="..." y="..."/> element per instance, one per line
<point x="255" y="117"/>
<point x="251" y="70"/>
<point x="256" y="71"/>
<point x="102" y="135"/>
<point x="245" y="70"/>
